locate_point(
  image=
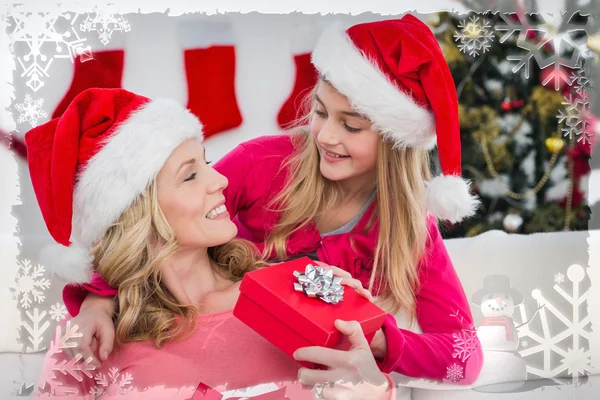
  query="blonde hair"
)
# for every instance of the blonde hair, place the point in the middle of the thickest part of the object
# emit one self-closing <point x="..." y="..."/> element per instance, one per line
<point x="130" y="256"/>
<point x="400" y="212"/>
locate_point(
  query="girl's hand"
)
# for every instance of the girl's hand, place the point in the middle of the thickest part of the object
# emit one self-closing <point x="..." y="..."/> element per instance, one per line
<point x="379" y="345"/>
<point x="94" y="323"/>
<point x="347" y="279"/>
<point x="351" y="374"/>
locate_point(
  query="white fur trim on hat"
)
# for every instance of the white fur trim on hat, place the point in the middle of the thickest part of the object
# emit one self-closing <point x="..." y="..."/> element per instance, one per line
<point x="72" y="264"/>
<point x="393" y="113"/>
<point x="449" y="197"/>
<point x="129" y="161"/>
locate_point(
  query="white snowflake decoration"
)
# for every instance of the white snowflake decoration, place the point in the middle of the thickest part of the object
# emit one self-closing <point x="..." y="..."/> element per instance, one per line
<point x="524" y="343"/>
<point x="39" y="31"/>
<point x="30" y="284"/>
<point x="580" y="81"/>
<point x="35" y="328"/>
<point x="23" y="389"/>
<point x="576" y="118"/>
<point x="559" y="278"/>
<point x="465" y="343"/>
<point x="557" y="33"/>
<point x="454" y="373"/>
<point x="575" y="359"/>
<point x="30" y="111"/>
<point x="58" y="312"/>
<point x="76" y="367"/>
<point x="474" y="36"/>
<point x="105" y="22"/>
<point x="576" y="362"/>
<point x="112" y="383"/>
<point x="576" y="115"/>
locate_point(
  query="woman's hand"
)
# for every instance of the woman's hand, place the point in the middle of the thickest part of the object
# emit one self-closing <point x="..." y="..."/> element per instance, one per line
<point x="94" y="323"/>
<point x="351" y="374"/>
<point x="347" y="279"/>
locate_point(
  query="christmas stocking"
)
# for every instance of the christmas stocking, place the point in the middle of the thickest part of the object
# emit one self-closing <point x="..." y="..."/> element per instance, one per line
<point x="302" y="42"/>
<point x="104" y="70"/>
<point x="209" y="58"/>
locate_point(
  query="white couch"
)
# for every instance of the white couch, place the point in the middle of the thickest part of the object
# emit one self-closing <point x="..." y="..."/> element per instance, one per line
<point x="530" y="261"/>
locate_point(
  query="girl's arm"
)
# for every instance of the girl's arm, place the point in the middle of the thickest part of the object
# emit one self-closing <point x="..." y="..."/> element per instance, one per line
<point x="448" y="349"/>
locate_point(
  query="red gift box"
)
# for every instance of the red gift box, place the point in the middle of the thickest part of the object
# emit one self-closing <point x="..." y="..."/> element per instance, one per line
<point x="205" y="392"/>
<point x="290" y="319"/>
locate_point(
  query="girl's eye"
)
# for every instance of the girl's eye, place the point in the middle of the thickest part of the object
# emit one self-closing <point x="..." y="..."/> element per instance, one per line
<point x="189" y="178"/>
<point x="320" y="113"/>
<point x="208" y="162"/>
<point x="351" y="129"/>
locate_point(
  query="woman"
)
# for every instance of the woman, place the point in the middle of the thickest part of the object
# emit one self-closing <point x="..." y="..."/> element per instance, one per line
<point x="354" y="190"/>
<point x="125" y="189"/>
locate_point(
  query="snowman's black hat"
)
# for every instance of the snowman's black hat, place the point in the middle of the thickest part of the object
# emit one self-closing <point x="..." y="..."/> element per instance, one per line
<point x="497" y="284"/>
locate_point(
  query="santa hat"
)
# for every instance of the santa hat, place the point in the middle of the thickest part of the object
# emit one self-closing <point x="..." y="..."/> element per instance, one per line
<point x="395" y="74"/>
<point x="89" y="165"/>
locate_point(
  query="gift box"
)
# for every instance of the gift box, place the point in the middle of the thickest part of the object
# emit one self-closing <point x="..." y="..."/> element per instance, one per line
<point x="272" y="303"/>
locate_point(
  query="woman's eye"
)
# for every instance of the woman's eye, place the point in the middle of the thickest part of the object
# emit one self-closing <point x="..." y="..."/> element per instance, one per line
<point x="320" y="113"/>
<point x="351" y="129"/>
<point x="208" y="162"/>
<point x="189" y="178"/>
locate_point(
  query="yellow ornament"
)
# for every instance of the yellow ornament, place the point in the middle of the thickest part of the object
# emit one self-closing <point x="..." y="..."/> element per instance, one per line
<point x="434" y="20"/>
<point x="593" y="43"/>
<point x="473" y="30"/>
<point x="555" y="144"/>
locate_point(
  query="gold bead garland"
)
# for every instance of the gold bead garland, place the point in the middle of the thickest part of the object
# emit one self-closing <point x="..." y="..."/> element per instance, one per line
<point x="569" y="204"/>
<point x="510" y="193"/>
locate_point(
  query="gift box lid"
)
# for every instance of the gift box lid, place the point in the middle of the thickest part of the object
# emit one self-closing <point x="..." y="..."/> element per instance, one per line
<point x="272" y="288"/>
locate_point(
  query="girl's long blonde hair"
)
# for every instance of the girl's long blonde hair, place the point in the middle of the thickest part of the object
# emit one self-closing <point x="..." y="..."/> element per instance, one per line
<point x="400" y="212"/>
<point x="130" y="256"/>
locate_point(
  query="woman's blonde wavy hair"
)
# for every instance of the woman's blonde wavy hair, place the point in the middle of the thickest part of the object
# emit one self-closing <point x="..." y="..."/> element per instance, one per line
<point x="400" y="211"/>
<point x="130" y="256"/>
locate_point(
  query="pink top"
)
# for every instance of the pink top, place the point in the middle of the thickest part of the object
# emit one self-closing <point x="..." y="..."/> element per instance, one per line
<point x="448" y="344"/>
<point x="222" y="354"/>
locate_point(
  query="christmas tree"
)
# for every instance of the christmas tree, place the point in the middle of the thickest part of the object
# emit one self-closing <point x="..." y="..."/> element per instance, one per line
<point x="526" y="125"/>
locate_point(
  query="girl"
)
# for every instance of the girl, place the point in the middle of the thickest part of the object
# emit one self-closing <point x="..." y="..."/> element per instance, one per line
<point x="148" y="214"/>
<point x="354" y="190"/>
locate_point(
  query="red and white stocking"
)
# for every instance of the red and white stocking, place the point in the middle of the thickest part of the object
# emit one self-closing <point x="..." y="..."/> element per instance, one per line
<point x="303" y="40"/>
<point x="209" y="57"/>
<point x="104" y="70"/>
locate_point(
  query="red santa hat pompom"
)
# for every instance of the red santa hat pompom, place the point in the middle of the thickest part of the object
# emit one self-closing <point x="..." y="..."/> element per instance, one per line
<point x="89" y="165"/>
<point x="394" y="73"/>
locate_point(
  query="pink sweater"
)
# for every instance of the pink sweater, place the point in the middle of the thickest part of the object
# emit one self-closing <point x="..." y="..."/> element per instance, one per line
<point x="222" y="354"/>
<point x="448" y="342"/>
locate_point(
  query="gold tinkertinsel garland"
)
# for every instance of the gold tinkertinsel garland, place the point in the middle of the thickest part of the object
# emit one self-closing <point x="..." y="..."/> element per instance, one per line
<point x="554" y="145"/>
<point x="518" y="196"/>
<point x="569" y="204"/>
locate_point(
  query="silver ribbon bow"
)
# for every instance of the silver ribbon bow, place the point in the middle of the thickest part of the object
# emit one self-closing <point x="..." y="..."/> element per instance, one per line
<point x="320" y="283"/>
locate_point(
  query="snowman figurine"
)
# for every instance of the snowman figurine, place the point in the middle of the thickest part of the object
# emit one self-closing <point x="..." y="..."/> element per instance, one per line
<point x="504" y="370"/>
<point x="497" y="301"/>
